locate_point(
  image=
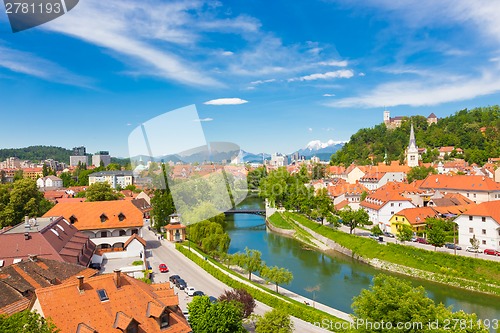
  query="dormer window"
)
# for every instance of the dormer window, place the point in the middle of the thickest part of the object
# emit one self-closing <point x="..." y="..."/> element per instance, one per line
<point x="72" y="219"/>
<point x="103" y="217"/>
<point x="164" y="320"/>
<point x="121" y="217"/>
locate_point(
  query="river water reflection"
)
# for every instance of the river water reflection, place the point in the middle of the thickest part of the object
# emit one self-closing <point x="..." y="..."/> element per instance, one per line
<point x="340" y="278"/>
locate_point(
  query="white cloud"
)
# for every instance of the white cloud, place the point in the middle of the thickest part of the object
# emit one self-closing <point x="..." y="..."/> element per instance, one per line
<point x="262" y="81"/>
<point x="127" y="28"/>
<point x="328" y="95"/>
<point x="204" y="119"/>
<point x="30" y="64"/>
<point x="310" y="129"/>
<point x="344" y="73"/>
<point x="361" y="74"/>
<point x="226" y="101"/>
<point x="227" y="53"/>
<point x="334" y="63"/>
<point x="424" y="93"/>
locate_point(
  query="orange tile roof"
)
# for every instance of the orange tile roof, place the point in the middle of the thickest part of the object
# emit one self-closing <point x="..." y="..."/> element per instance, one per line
<point x="389" y="192"/>
<point x="487" y="209"/>
<point x="345" y="188"/>
<point x="135" y="236"/>
<point x="460" y="182"/>
<point x="69" y="308"/>
<point x="417" y="215"/>
<point x="88" y="214"/>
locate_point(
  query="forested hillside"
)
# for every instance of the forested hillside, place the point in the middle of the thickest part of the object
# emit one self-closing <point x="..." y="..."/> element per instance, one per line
<point x="476" y="131"/>
<point x="37" y="153"/>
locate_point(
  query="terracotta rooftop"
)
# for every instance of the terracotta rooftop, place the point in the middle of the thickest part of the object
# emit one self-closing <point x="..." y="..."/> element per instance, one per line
<point x="19" y="281"/>
<point x="417" y="215"/>
<point x="88" y="215"/>
<point x="130" y="302"/>
<point x="389" y="192"/>
<point x="486" y="209"/>
<point x="460" y="182"/>
<point x="52" y="238"/>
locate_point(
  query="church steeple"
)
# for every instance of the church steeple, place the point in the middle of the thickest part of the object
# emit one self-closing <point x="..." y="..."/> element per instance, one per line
<point x="412" y="150"/>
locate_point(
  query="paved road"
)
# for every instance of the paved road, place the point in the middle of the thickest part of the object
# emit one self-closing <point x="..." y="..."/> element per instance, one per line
<point x="362" y="232"/>
<point x="195" y="276"/>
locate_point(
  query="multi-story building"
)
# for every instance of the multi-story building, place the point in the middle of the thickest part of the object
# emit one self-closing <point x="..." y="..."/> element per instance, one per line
<point x="49" y="182"/>
<point x="483" y="222"/>
<point x="108" y="223"/>
<point x="476" y="188"/>
<point x="278" y="160"/>
<point x="101" y="156"/>
<point x="113" y="178"/>
<point x="48" y="237"/>
<point x="11" y="163"/>
<point x="33" y="173"/>
<point x="79" y="157"/>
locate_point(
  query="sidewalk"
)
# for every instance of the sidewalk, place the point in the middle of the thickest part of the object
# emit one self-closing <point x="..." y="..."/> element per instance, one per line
<point x="283" y="291"/>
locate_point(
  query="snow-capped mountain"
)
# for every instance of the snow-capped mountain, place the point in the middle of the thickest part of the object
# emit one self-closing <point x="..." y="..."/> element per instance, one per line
<point x="323" y="150"/>
<point x="317" y="144"/>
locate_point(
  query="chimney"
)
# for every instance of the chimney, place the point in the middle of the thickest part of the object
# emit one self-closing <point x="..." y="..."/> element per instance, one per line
<point x="80" y="283"/>
<point x="117" y="277"/>
<point x="26" y="235"/>
<point x="33" y="257"/>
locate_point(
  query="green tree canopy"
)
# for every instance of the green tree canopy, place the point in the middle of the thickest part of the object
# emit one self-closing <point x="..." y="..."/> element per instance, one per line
<point x="392" y="301"/>
<point x="274" y="321"/>
<point x="250" y="261"/>
<point x="405" y="233"/>
<point x="276" y="275"/>
<point x="26" y="322"/>
<point x="420" y="172"/>
<point x="354" y="218"/>
<point x="436" y="233"/>
<point x="221" y="317"/>
<point x="101" y="192"/>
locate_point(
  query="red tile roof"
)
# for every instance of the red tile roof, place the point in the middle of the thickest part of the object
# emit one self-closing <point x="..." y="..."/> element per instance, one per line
<point x="68" y="307"/>
<point x="417" y="215"/>
<point x="487" y="209"/>
<point x="460" y="182"/>
<point x="87" y="215"/>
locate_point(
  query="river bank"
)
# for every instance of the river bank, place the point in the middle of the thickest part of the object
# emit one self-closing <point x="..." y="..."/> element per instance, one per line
<point x="324" y="243"/>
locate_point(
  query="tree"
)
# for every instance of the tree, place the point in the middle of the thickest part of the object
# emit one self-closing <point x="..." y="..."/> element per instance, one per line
<point x="420" y="172"/>
<point x="101" y="192"/>
<point x="318" y="171"/>
<point x="18" y="175"/>
<point x="354" y="218"/>
<point x="26" y="321"/>
<point x="210" y="236"/>
<point x="163" y="205"/>
<point x="242" y="296"/>
<point x="206" y="317"/>
<point x="274" y="321"/>
<point x="67" y="179"/>
<point x="276" y="275"/>
<point x="23" y="199"/>
<point x="376" y="230"/>
<point x="2" y="176"/>
<point x="405" y="233"/>
<point x="250" y="261"/>
<point x="436" y="234"/>
<point x="392" y="301"/>
<point x="474" y="242"/>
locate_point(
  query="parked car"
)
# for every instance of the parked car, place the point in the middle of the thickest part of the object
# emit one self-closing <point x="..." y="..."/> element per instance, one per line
<point x="388" y="234"/>
<point x="163" y="268"/>
<point x="414" y="239"/>
<point x="198" y="293"/>
<point x="422" y="240"/>
<point x="372" y="236"/>
<point x="492" y="252"/>
<point x="452" y="246"/>
<point x="174" y="278"/>
<point x="212" y="299"/>
<point x="189" y="290"/>
<point x="181" y="284"/>
<point x="186" y="315"/>
<point x="471" y="249"/>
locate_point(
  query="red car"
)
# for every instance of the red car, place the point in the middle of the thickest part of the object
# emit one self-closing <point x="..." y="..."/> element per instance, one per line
<point x="492" y="252"/>
<point x="163" y="268"/>
<point x="421" y="241"/>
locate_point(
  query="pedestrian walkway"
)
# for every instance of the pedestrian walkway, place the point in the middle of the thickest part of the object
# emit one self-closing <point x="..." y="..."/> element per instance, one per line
<point x="284" y="292"/>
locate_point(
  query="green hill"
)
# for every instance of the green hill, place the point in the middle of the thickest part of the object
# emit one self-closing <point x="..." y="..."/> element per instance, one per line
<point x="37" y="153"/>
<point x="462" y="130"/>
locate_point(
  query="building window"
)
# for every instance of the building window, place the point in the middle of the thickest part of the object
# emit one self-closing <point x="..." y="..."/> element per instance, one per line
<point x="396" y="218"/>
<point x="123" y="233"/>
<point x="471" y="230"/>
<point x="135" y="231"/>
<point x="103" y="217"/>
<point x="474" y="195"/>
<point x="392" y="213"/>
<point x="467" y="195"/>
<point x="484" y="242"/>
<point x="484" y="231"/>
<point x="483" y="219"/>
<point x="104" y="234"/>
<point x="121" y="217"/>
<point x="392" y="204"/>
<point x="164" y="320"/>
<point x="470" y="218"/>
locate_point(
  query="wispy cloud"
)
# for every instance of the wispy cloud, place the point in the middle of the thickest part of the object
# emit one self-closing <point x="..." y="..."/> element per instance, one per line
<point x="262" y="81"/>
<point x="334" y="63"/>
<point x="310" y="129"/>
<point x="226" y="101"/>
<point x="344" y="73"/>
<point x="202" y="120"/>
<point x="129" y="28"/>
<point x="30" y="64"/>
<point x="328" y="95"/>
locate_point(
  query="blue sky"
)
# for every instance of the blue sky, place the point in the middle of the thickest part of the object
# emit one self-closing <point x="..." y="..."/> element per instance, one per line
<point x="266" y="75"/>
